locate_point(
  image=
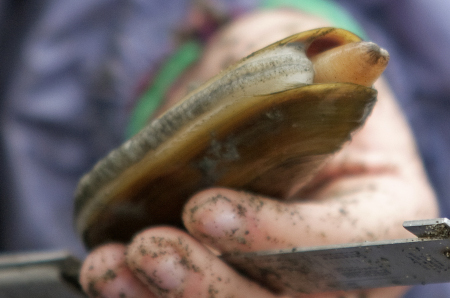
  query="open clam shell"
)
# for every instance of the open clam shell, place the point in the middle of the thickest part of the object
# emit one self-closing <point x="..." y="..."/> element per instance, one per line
<point x="260" y="126"/>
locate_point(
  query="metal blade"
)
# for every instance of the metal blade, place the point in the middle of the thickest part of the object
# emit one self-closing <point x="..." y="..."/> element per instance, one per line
<point x="48" y="274"/>
<point x="421" y="260"/>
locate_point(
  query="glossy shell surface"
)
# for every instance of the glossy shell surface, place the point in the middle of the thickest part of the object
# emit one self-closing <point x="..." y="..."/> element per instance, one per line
<point x="260" y="126"/>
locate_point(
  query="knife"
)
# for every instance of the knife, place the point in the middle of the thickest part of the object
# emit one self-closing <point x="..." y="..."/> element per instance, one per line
<point x="422" y="260"/>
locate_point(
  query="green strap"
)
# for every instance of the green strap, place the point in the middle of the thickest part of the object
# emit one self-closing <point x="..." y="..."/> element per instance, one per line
<point x="190" y="51"/>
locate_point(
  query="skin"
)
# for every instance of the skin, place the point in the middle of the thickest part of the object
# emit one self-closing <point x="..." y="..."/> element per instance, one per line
<point x="364" y="193"/>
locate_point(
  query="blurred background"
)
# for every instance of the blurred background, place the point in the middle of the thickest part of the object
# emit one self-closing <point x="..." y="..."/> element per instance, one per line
<point x="72" y="72"/>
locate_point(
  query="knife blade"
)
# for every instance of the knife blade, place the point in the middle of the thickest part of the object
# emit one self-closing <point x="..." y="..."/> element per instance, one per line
<point x="421" y="260"/>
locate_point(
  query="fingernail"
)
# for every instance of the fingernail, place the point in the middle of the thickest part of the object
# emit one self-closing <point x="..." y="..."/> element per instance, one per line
<point x="218" y="217"/>
<point x="158" y="263"/>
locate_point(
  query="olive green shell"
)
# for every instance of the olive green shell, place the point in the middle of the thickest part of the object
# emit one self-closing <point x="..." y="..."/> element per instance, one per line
<point x="259" y="126"/>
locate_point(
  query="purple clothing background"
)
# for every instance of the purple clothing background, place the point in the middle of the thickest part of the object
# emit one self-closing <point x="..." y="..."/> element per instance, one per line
<point x="70" y="71"/>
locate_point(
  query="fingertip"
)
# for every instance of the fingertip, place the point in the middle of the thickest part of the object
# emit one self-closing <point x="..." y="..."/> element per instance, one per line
<point x="173" y="264"/>
<point x="222" y="218"/>
<point x="159" y="258"/>
<point x="210" y="210"/>
<point x="232" y="221"/>
<point x="105" y="273"/>
<point x="101" y="264"/>
<point x="207" y="195"/>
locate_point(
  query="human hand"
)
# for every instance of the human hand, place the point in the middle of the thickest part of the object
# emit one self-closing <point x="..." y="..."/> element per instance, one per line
<point x="363" y="193"/>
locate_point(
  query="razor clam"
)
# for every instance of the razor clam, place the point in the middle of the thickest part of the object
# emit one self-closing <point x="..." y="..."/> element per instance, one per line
<point x="264" y="125"/>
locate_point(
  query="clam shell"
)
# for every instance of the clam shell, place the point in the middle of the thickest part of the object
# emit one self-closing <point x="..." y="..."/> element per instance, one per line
<point x="259" y="126"/>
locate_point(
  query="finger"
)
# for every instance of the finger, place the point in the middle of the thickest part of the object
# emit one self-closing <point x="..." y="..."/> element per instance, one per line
<point x="237" y="221"/>
<point x="361" y="208"/>
<point x="173" y="264"/>
<point x="105" y="274"/>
